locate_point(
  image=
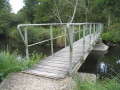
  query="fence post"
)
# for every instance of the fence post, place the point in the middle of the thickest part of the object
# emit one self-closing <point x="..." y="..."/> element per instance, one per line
<point x="90" y="35"/>
<point x="51" y="34"/>
<point x="79" y="31"/>
<point x="26" y="42"/>
<point x="73" y="33"/>
<point x="94" y="34"/>
<point x="84" y="29"/>
<point x="65" y="34"/>
<point x="70" y="37"/>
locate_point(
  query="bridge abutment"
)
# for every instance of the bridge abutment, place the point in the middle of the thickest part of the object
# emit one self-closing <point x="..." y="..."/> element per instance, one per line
<point x="100" y="46"/>
<point x="22" y="81"/>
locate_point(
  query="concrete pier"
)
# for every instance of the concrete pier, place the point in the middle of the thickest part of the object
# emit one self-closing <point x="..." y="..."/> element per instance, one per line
<point x="100" y="46"/>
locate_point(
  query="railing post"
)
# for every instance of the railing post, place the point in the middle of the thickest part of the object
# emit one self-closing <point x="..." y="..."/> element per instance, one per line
<point x="70" y="37"/>
<point x="73" y="33"/>
<point x="94" y="34"/>
<point x="84" y="29"/>
<point x="99" y="30"/>
<point x="90" y="35"/>
<point x="65" y="34"/>
<point x="26" y="44"/>
<point x="79" y="31"/>
<point x="51" y="34"/>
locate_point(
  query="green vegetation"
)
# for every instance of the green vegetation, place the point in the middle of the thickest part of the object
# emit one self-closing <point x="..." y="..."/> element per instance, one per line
<point x="55" y="11"/>
<point x="105" y="84"/>
<point x="10" y="63"/>
<point x="112" y="33"/>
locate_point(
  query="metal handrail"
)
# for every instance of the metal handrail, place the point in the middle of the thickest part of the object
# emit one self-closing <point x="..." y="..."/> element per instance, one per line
<point x="92" y="28"/>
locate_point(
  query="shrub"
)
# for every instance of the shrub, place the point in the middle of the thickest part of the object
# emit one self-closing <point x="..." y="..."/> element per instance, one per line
<point x="105" y="84"/>
<point x="10" y="63"/>
<point x="112" y="34"/>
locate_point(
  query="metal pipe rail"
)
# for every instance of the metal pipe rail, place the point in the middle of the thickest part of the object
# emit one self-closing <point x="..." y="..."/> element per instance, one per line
<point x="90" y="29"/>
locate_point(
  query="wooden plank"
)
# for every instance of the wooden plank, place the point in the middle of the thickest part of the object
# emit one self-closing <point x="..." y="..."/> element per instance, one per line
<point x="46" y="74"/>
<point x="49" y="67"/>
<point x="48" y="70"/>
<point x="57" y="65"/>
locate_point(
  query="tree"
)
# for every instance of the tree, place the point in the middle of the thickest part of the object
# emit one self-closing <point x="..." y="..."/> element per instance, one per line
<point x="65" y="10"/>
<point x="28" y="9"/>
<point x="44" y="12"/>
<point x="4" y="16"/>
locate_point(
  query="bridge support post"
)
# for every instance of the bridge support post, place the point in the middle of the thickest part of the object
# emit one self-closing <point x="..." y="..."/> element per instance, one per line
<point x="26" y="44"/>
<point x="79" y="32"/>
<point x="94" y="34"/>
<point x="84" y="29"/>
<point x="70" y="37"/>
<point x="51" y="34"/>
<point x="65" y="35"/>
<point x="90" y="35"/>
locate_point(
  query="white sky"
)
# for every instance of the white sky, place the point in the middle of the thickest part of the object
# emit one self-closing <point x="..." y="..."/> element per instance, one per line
<point x="16" y="5"/>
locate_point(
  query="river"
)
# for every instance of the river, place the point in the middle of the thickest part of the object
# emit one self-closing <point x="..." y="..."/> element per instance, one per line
<point x="100" y="63"/>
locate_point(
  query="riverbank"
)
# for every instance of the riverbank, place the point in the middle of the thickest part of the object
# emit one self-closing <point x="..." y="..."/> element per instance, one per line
<point x="111" y="34"/>
<point x="112" y="83"/>
<point x="11" y="63"/>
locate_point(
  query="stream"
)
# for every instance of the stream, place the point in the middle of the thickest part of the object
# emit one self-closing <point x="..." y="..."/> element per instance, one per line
<point x="102" y="63"/>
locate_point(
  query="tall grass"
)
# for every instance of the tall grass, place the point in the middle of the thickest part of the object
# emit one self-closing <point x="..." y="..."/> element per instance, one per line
<point x="104" y="84"/>
<point x="10" y="63"/>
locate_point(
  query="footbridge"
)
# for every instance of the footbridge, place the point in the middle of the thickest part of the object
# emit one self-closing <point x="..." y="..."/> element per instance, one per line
<point x="69" y="59"/>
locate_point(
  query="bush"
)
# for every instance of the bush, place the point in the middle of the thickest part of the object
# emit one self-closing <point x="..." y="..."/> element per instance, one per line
<point x="105" y="84"/>
<point x="112" y="34"/>
<point x="10" y="63"/>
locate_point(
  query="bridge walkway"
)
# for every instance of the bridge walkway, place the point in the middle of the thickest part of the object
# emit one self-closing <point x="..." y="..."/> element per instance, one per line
<point x="57" y="65"/>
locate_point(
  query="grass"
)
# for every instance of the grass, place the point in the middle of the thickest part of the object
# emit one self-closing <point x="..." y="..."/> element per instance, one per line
<point x="104" y="84"/>
<point x="10" y="63"/>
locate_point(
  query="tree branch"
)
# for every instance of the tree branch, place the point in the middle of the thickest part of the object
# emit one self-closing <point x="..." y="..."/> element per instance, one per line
<point x="75" y="7"/>
<point x="70" y="3"/>
<point x="58" y="15"/>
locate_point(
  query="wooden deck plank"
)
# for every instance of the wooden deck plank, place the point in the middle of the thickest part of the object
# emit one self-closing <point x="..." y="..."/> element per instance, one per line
<point x="46" y="74"/>
<point x="57" y="65"/>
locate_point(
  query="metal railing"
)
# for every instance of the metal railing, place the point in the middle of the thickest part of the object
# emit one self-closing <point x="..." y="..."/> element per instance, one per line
<point x="84" y="29"/>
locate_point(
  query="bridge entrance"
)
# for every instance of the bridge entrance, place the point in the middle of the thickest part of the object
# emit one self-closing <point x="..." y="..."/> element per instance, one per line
<point x="69" y="59"/>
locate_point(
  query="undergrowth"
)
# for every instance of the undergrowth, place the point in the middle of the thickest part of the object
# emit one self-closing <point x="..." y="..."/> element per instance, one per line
<point x="10" y="63"/>
<point x="104" y="84"/>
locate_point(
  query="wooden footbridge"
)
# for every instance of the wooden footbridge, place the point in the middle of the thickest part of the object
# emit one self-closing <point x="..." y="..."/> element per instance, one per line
<point x="69" y="59"/>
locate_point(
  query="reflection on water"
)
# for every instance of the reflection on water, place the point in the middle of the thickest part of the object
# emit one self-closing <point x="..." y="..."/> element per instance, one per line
<point x="104" y="64"/>
<point x="13" y="45"/>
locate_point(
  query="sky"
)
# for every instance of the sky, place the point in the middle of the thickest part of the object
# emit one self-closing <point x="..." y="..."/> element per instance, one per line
<point x="16" y="5"/>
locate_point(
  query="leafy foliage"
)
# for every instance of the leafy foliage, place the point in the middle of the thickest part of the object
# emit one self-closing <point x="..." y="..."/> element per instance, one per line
<point x="112" y="34"/>
<point x="105" y="84"/>
<point x="10" y="63"/>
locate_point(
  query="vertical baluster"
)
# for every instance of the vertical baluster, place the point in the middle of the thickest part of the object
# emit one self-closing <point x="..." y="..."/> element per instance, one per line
<point x="94" y="34"/>
<point x="73" y="33"/>
<point x="79" y="32"/>
<point x="51" y="34"/>
<point x="84" y="29"/>
<point x="90" y="35"/>
<point x="99" y="30"/>
<point x="26" y="44"/>
<point x="70" y="37"/>
<point x="65" y="34"/>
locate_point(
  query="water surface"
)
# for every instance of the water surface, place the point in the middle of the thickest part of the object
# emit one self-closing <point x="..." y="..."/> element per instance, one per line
<point x="102" y="63"/>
